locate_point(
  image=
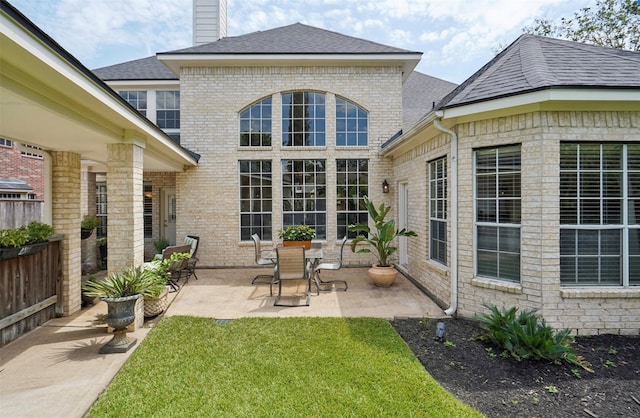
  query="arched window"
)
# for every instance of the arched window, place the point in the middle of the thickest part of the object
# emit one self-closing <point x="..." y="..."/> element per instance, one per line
<point x="352" y="124"/>
<point x="255" y="125"/>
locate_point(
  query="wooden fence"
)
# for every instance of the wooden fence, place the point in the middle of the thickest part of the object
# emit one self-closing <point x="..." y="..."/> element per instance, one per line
<point x="29" y="289"/>
<point x="15" y="213"/>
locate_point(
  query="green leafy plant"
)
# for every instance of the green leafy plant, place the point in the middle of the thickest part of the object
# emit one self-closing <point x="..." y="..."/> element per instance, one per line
<point x="551" y="389"/>
<point x="610" y="363"/>
<point x="297" y="233"/>
<point x="161" y="270"/>
<point x="129" y="282"/>
<point x="161" y="244"/>
<point x="526" y="336"/>
<point x="613" y="351"/>
<point x="38" y="232"/>
<point x="33" y="233"/>
<point x="381" y="237"/>
<point x="13" y="237"/>
<point x="90" y="222"/>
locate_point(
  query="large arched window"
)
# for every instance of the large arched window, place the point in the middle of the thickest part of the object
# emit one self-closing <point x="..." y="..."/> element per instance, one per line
<point x="352" y="124"/>
<point x="255" y="125"/>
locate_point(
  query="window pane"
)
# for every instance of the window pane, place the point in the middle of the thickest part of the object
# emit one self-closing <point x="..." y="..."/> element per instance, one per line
<point x="255" y="199"/>
<point x="437" y="175"/>
<point x="303" y="117"/>
<point x="498" y="202"/>
<point x="351" y="124"/>
<point x="304" y="194"/>
<point x="255" y="125"/>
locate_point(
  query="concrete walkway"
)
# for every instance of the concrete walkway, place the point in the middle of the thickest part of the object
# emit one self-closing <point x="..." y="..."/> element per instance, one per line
<point x="56" y="370"/>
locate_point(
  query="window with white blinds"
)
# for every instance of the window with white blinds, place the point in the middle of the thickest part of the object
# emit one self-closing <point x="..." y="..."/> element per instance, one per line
<point x="498" y="202"/>
<point x="599" y="214"/>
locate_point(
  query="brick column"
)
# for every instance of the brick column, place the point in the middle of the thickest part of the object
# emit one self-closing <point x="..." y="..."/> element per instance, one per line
<point x="125" y="228"/>
<point x="66" y="218"/>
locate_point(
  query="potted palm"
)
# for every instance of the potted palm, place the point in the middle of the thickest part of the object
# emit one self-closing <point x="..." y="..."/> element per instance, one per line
<point x="380" y="240"/>
<point x="300" y="235"/>
<point x="121" y="290"/>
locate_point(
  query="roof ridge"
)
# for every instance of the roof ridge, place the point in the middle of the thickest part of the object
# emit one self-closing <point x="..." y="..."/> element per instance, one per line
<point x="535" y="68"/>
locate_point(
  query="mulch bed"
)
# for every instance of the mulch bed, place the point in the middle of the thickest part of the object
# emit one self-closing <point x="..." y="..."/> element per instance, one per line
<point x="476" y="373"/>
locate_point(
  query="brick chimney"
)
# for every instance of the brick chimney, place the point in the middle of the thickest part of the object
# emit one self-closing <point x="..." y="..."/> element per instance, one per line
<point x="209" y="21"/>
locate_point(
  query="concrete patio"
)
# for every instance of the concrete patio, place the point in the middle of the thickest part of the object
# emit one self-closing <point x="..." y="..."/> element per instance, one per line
<point x="228" y="294"/>
<point x="56" y="370"/>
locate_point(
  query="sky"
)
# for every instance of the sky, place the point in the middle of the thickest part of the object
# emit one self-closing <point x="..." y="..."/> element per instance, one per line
<point x="456" y="37"/>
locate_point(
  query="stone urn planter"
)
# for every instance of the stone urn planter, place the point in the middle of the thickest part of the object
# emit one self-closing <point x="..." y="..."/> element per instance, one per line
<point x="121" y="290"/>
<point x="382" y="276"/>
<point x="120" y="314"/>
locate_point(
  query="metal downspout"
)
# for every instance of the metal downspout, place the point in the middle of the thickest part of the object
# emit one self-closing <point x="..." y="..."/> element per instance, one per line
<point x="454" y="214"/>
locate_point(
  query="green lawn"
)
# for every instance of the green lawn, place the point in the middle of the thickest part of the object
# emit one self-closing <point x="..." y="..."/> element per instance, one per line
<point x="280" y="367"/>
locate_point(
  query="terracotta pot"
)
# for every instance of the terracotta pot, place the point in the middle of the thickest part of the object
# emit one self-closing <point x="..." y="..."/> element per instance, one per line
<point x="382" y="276"/>
<point x="305" y="244"/>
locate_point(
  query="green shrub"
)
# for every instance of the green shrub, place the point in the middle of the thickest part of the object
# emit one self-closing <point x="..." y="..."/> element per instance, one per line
<point x="525" y="335"/>
<point x="33" y="233"/>
<point x="13" y="238"/>
<point x="38" y="232"/>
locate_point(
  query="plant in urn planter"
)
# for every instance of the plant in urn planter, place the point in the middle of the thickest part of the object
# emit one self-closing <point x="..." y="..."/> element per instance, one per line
<point x="89" y="223"/>
<point x="121" y="290"/>
<point x="300" y="235"/>
<point x="380" y="239"/>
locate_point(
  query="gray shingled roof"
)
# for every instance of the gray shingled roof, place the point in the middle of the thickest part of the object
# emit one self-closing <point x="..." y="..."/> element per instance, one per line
<point x="420" y="92"/>
<point x="14" y="184"/>
<point x="149" y="68"/>
<point x="292" y="39"/>
<point x="534" y="63"/>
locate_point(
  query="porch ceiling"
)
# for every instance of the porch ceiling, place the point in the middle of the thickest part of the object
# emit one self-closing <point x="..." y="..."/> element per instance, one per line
<point x="48" y="99"/>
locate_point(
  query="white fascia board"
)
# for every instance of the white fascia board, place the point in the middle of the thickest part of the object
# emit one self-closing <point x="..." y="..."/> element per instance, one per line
<point x="549" y="95"/>
<point x="174" y="61"/>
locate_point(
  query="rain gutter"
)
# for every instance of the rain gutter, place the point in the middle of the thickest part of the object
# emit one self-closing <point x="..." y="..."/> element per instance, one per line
<point x="453" y="176"/>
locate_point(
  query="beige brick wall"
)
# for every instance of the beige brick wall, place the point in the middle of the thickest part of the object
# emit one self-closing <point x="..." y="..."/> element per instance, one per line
<point x="207" y="196"/>
<point x="584" y="310"/>
<point x="412" y="168"/>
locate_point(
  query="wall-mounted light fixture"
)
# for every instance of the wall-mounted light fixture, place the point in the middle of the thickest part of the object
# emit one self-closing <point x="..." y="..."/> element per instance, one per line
<point x="385" y="186"/>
